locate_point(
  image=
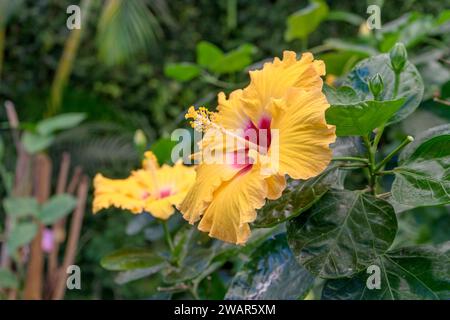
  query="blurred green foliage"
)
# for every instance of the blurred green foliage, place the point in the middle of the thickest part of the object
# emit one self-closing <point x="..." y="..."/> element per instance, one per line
<point x="145" y="76"/>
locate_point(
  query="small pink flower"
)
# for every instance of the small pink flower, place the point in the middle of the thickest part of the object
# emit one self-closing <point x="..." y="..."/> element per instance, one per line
<point x="47" y="240"/>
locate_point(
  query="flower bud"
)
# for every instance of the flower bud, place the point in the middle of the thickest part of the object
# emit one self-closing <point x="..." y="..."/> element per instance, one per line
<point x="376" y="85"/>
<point x="140" y="141"/>
<point x="398" y="57"/>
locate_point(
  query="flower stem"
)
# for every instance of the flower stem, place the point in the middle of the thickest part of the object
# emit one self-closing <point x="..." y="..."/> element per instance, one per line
<point x="355" y="159"/>
<point x="371" y="156"/>
<point x="384" y="172"/>
<point x="396" y="85"/>
<point x="168" y="236"/>
<point x="405" y="142"/>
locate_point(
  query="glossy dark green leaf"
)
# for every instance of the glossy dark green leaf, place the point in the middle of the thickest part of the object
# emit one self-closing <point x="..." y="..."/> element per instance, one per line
<point x="303" y="22"/>
<point x="410" y="86"/>
<point x="423" y="175"/>
<point x="56" y="208"/>
<point x="183" y="71"/>
<point x="271" y="273"/>
<point x="132" y="259"/>
<point x="60" y="122"/>
<point x="411" y="273"/>
<point x="8" y="280"/>
<point x="422" y="138"/>
<point x="21" y="206"/>
<point x="342" y="233"/>
<point x="194" y="252"/>
<point x="340" y="96"/>
<point x="361" y="118"/>
<point x="300" y="195"/>
<point x="21" y="234"/>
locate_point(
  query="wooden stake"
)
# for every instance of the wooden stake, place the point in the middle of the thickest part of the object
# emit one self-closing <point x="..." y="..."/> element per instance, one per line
<point x="34" y="281"/>
<point x="72" y="242"/>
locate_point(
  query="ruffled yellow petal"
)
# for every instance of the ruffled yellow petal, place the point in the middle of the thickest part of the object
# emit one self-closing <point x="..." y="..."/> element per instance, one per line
<point x="234" y="206"/>
<point x="275" y="186"/>
<point x="126" y="194"/>
<point x="231" y="114"/>
<point x="304" y="136"/>
<point x="160" y="208"/>
<point x="276" y="77"/>
<point x="209" y="178"/>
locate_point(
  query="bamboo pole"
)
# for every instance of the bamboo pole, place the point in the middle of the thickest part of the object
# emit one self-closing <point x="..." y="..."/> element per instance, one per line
<point x="72" y="242"/>
<point x="34" y="280"/>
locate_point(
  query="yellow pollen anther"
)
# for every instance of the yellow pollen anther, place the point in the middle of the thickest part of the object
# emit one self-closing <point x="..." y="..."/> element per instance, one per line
<point x="202" y="119"/>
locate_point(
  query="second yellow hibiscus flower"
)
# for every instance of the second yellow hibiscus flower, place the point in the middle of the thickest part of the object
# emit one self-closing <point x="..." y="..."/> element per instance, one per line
<point x="152" y="189"/>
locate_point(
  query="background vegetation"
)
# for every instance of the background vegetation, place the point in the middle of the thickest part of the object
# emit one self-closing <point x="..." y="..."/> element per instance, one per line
<point x="137" y="65"/>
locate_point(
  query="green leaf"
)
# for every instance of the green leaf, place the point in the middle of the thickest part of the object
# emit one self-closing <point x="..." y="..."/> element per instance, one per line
<point x="410" y="86"/>
<point x="65" y="121"/>
<point x="412" y="32"/>
<point x="194" y="252"/>
<point x="21" y="206"/>
<point x="162" y="149"/>
<point x="34" y="143"/>
<point x="411" y="273"/>
<point x="272" y="273"/>
<point x="132" y="275"/>
<point x="346" y="17"/>
<point x="342" y="233"/>
<point x="303" y="22"/>
<point x="208" y="54"/>
<point x="441" y="130"/>
<point x="361" y="118"/>
<point x="8" y="280"/>
<point x="131" y="259"/>
<point x="21" y="234"/>
<point x="183" y="71"/>
<point x="423" y="176"/>
<point x="343" y="45"/>
<point x="340" y="96"/>
<point x="56" y="208"/>
<point x="235" y="60"/>
<point x="300" y="195"/>
<point x="340" y="62"/>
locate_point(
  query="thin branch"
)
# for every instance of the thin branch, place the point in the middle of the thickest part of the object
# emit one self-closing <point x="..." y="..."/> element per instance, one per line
<point x="444" y="102"/>
<point x="72" y="242"/>
<point x="58" y="226"/>
<point x="34" y="280"/>
<point x="13" y="120"/>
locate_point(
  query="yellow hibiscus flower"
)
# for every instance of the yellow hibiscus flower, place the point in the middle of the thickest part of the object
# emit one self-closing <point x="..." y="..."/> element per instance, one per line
<point x="152" y="189"/>
<point x="285" y="98"/>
